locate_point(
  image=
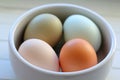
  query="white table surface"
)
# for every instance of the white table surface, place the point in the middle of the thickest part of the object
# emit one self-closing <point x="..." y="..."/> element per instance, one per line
<point x="10" y="10"/>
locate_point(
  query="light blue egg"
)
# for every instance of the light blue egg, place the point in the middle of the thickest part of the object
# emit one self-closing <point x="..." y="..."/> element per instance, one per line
<point x="79" y="26"/>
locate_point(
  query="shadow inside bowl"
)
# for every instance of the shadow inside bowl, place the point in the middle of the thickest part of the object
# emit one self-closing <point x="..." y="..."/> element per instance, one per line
<point x="62" y="13"/>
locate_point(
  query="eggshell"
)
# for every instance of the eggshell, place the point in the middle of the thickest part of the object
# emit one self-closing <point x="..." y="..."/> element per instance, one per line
<point x="79" y="26"/>
<point x="46" y="27"/>
<point x="77" y="54"/>
<point x="40" y="54"/>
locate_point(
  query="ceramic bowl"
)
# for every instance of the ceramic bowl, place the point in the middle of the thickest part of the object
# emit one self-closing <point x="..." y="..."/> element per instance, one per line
<point x="26" y="71"/>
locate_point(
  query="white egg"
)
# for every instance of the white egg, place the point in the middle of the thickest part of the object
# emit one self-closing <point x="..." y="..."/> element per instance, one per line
<point x="79" y="26"/>
<point x="40" y="54"/>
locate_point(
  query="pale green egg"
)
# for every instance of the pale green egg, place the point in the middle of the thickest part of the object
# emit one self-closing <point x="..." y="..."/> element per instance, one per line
<point x="79" y="26"/>
<point x="46" y="27"/>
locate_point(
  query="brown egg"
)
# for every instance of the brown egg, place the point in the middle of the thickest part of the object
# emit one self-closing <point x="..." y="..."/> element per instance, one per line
<point x="77" y="54"/>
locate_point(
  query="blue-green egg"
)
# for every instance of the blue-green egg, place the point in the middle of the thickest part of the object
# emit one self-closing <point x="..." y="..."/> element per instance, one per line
<point x="79" y="26"/>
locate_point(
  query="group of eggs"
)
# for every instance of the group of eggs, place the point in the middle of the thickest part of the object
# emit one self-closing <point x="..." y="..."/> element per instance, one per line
<point x="80" y="37"/>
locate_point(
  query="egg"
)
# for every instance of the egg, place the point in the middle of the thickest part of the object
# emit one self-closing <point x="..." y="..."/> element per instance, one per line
<point x="76" y="55"/>
<point x="46" y="27"/>
<point x="40" y="54"/>
<point x="79" y="26"/>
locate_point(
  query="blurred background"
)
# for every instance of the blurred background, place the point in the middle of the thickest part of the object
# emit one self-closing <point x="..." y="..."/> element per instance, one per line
<point x="10" y="10"/>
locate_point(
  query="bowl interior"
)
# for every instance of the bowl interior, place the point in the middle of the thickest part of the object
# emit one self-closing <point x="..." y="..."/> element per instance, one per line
<point x="62" y="12"/>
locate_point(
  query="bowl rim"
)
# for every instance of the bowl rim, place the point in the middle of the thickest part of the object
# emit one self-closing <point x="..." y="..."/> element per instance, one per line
<point x="22" y="17"/>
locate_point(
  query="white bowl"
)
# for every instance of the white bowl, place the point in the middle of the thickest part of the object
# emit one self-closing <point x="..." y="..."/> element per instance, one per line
<point x="26" y="71"/>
